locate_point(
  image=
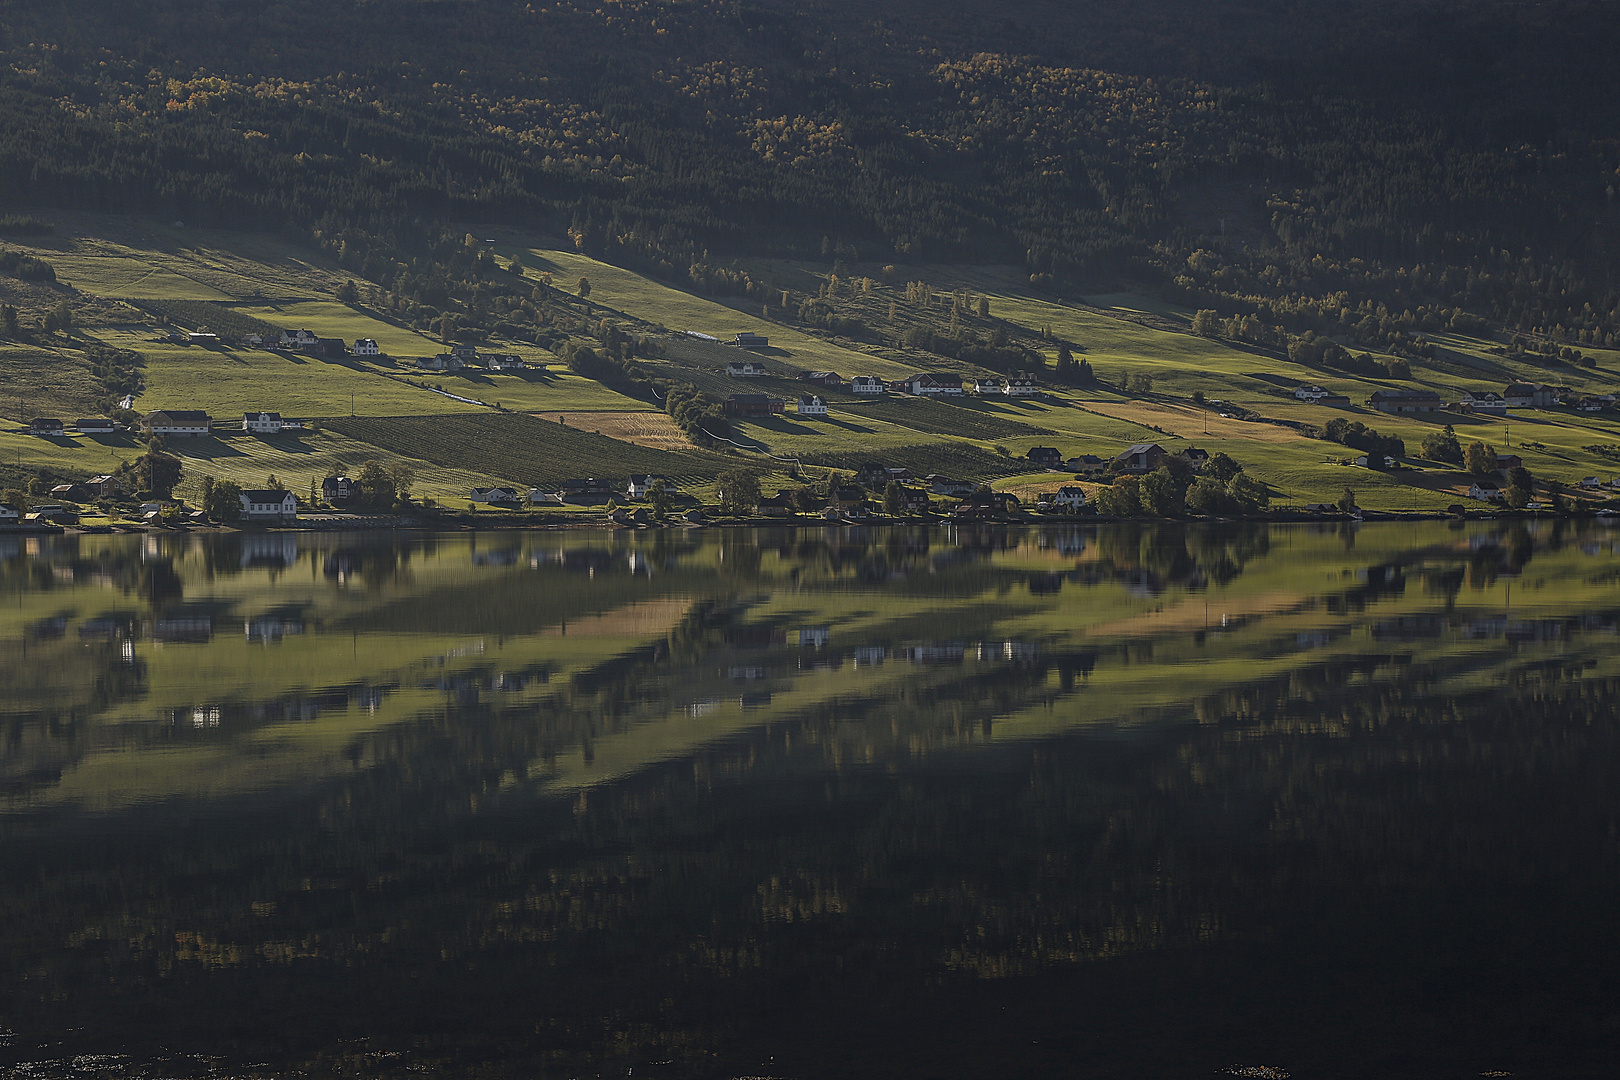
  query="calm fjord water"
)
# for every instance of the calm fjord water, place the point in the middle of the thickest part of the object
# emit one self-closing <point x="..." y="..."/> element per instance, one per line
<point x="1121" y="801"/>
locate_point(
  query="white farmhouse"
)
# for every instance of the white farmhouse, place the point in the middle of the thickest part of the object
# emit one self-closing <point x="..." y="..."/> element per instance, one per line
<point x="1069" y="498"/>
<point x="269" y="504"/>
<point x="262" y="423"/>
<point x="366" y="347"/>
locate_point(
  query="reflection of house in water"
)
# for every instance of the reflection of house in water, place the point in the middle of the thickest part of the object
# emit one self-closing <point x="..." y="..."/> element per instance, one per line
<point x="498" y="557"/>
<point x="1141" y="584"/>
<point x="105" y="628"/>
<point x="48" y="629"/>
<point x="271" y="628"/>
<point x="511" y="681"/>
<point x="463" y="689"/>
<point x="702" y="708"/>
<point x="196" y="629"/>
<point x="746" y="671"/>
<point x="1045" y="584"/>
<point x="756" y="700"/>
<point x="369" y="698"/>
<point x="275" y="551"/>
<point x="1067" y="542"/>
<point x="1016" y="651"/>
<point x="755" y="636"/>
<point x="585" y="560"/>
<point x="814" y="637"/>
<point x="202" y="716"/>
<point x="1537" y="630"/>
<point x="1409" y="627"/>
<point x="1488" y="626"/>
<point x="948" y="653"/>
<point x="1316" y="639"/>
<point x="869" y="655"/>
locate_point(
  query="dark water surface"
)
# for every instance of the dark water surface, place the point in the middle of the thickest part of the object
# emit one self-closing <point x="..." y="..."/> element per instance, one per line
<point x="1121" y="801"/>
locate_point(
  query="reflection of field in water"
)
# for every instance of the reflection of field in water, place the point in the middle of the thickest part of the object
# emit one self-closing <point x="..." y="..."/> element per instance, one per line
<point x="1127" y="791"/>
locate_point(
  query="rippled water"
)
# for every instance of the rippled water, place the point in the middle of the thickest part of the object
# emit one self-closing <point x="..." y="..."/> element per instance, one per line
<point x="1121" y="801"/>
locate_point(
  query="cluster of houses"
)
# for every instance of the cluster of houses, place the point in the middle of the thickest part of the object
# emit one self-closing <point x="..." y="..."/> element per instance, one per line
<point x="922" y="384"/>
<point x="1474" y="402"/>
<point x="579" y="489"/>
<point x="465" y="357"/>
<point x="170" y="423"/>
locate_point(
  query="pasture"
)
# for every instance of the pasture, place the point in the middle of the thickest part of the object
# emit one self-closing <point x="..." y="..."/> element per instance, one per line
<point x="533" y="391"/>
<point x="525" y="449"/>
<point x="40" y="380"/>
<point x="642" y="298"/>
<point x="233" y="381"/>
<point x="333" y="319"/>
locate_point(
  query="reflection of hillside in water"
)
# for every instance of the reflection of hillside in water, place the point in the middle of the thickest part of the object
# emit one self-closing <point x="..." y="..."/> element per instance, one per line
<point x="727" y="791"/>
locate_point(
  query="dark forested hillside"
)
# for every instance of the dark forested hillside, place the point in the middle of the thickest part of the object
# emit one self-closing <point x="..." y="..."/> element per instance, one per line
<point x="1313" y="164"/>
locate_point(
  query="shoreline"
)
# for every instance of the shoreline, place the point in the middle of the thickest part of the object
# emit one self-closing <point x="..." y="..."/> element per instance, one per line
<point x="378" y="523"/>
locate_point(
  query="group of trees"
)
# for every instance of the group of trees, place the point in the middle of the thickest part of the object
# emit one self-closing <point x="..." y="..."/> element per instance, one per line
<point x="1358" y="436"/>
<point x="1177" y="487"/>
<point x="701" y="139"/>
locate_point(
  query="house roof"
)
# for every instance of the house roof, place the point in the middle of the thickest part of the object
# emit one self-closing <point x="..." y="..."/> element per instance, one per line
<point x="179" y="414"/>
<point x="260" y="416"/>
<point x="266" y="495"/>
<point x="1140" y="448"/>
<point x="824" y="375"/>
<point x="1486" y="485"/>
<point x="1405" y="395"/>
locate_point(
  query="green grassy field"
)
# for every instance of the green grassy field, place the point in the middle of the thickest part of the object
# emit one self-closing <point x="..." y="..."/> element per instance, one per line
<point x="42" y="381"/>
<point x="533" y="391"/>
<point x="646" y="299"/>
<point x="454" y="445"/>
<point x="332" y="319"/>
<point x="233" y="381"/>
<point x="524" y="449"/>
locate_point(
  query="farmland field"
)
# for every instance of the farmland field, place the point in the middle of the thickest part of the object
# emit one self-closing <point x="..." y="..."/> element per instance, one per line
<point x="557" y="389"/>
<point x="969" y="420"/>
<point x="226" y="381"/>
<point x="43" y="381"/>
<point x="650" y="429"/>
<point x="297" y="458"/>
<point x="330" y="318"/>
<point x="524" y="449"/>
<point x="1190" y="421"/>
<point x="643" y="298"/>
